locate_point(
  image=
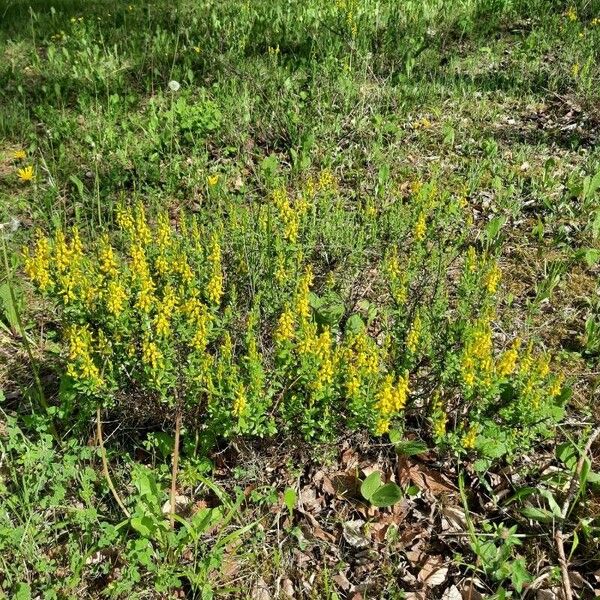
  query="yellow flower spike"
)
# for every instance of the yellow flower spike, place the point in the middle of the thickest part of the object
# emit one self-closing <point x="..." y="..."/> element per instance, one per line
<point x="470" y="438"/>
<point x="382" y="427"/>
<point x="37" y="266"/>
<point x="62" y="252"/>
<point x="492" y="279"/>
<point x="151" y="355"/>
<point x="125" y="219"/>
<point x="414" y="335"/>
<point x="116" y="296"/>
<point x="385" y="397"/>
<point x="471" y="260"/>
<point x="420" y="227"/>
<point x="26" y="174"/>
<point x="164" y="232"/>
<point x="214" y="288"/>
<point x="353" y="381"/>
<point x="240" y="402"/>
<point x="302" y="295"/>
<point x="555" y="388"/>
<point x="543" y="365"/>
<point x="19" y="155"/>
<point x="76" y="246"/>
<point x="508" y="361"/>
<point x="285" y="327"/>
<point x="106" y="258"/>
<point x="439" y="418"/>
<point x="142" y="230"/>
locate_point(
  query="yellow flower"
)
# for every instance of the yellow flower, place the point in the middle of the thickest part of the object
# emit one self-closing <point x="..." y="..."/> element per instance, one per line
<point x="106" y="257"/>
<point x="383" y="426"/>
<point x="470" y="438"/>
<point x="414" y="335"/>
<point x="19" y="154"/>
<point x="202" y="322"/>
<point x="556" y="386"/>
<point x="212" y="180"/>
<point x="285" y="326"/>
<point x="151" y="355"/>
<point x="302" y="296"/>
<point x="575" y="69"/>
<point x="471" y="260"/>
<point x="508" y="361"/>
<point x="420" y="227"/>
<point x="26" y="173"/>
<point x="37" y="267"/>
<point x="493" y="279"/>
<point x="571" y="14"/>
<point x="240" y="402"/>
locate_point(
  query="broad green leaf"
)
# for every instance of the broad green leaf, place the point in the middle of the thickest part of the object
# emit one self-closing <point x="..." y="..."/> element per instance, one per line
<point x="537" y="514"/>
<point x="145" y="526"/>
<point x="370" y="485"/>
<point x="411" y="447"/>
<point x="386" y="495"/>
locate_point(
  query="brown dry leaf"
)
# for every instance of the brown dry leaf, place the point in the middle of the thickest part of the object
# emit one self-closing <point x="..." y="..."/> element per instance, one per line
<point x="415" y="596"/>
<point x="451" y="593"/>
<point x="469" y="591"/>
<point x="260" y="591"/>
<point x="183" y="506"/>
<point x="327" y="486"/>
<point x="342" y="582"/>
<point x="423" y="477"/>
<point x="287" y="587"/>
<point x="315" y="529"/>
<point x="353" y="534"/>
<point x="433" y="572"/>
<point x="455" y="519"/>
<point x="346" y="485"/>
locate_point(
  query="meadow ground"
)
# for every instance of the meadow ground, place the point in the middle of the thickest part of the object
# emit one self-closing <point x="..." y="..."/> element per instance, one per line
<point x="299" y="299"/>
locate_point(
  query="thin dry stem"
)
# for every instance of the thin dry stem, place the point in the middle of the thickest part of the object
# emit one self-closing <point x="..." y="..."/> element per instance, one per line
<point x="105" y="465"/>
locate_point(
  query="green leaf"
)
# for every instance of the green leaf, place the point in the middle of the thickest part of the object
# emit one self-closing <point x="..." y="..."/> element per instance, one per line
<point x="411" y="447"/>
<point x="355" y="324"/>
<point x="145" y="526"/>
<point x="537" y="514"/>
<point x="290" y="497"/>
<point x="386" y="495"/>
<point x="370" y="485"/>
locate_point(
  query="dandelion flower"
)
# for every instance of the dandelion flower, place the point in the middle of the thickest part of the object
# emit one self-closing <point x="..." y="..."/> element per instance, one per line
<point x="25" y="174"/>
<point x="212" y="180"/>
<point x="19" y="154"/>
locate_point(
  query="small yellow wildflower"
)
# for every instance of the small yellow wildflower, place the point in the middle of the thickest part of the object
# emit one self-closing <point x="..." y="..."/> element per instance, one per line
<point x="26" y="174"/>
<point x="571" y="14"/>
<point x="285" y="326"/>
<point x="493" y="279"/>
<point x="470" y="438"/>
<point x="508" y="361"/>
<point x="19" y="155"/>
<point x="471" y="260"/>
<point x="302" y="296"/>
<point x="556" y="386"/>
<point x="420" y="227"/>
<point x="151" y="355"/>
<point x="382" y="427"/>
<point x="575" y="69"/>
<point x="240" y="402"/>
<point x="212" y="180"/>
<point x="414" y="335"/>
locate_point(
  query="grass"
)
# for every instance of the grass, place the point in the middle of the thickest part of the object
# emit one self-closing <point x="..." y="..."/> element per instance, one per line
<point x="434" y="164"/>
